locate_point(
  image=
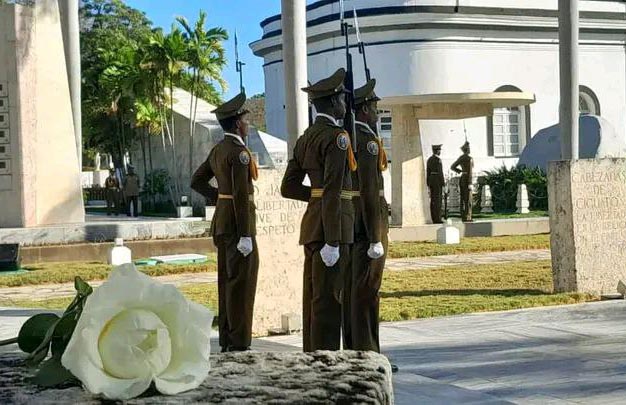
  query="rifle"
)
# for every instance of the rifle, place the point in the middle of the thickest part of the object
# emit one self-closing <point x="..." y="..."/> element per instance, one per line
<point x="349" y="121"/>
<point x="368" y="76"/>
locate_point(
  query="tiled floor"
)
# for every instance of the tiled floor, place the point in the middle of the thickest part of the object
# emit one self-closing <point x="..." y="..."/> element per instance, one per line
<point x="558" y="355"/>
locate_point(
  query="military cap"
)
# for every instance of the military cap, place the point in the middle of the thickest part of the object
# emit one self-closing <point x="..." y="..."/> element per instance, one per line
<point x="465" y="146"/>
<point x="327" y="87"/>
<point x="366" y="93"/>
<point x="436" y="147"/>
<point x="232" y="108"/>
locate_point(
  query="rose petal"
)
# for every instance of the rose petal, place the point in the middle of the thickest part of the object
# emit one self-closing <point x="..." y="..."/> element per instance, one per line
<point x="188" y="324"/>
<point x="79" y="357"/>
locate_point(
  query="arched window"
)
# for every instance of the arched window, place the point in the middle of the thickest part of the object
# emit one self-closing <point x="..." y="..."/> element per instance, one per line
<point x="588" y="101"/>
<point x="508" y="130"/>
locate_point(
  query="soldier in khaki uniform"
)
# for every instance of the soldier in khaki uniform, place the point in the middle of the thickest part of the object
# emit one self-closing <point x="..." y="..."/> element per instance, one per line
<point x="233" y="227"/>
<point x="324" y="154"/>
<point x="435" y="182"/>
<point x="466" y="163"/>
<point x="361" y="299"/>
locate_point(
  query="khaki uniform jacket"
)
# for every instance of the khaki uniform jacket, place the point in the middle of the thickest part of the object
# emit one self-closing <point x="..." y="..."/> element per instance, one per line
<point x="111" y="183"/>
<point x="371" y="209"/>
<point x="321" y="153"/>
<point x="434" y="172"/>
<point x="228" y="162"/>
<point x="131" y="185"/>
<point x="467" y="165"/>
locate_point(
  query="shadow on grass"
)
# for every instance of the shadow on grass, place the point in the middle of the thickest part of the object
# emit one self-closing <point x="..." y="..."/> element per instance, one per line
<point x="493" y="292"/>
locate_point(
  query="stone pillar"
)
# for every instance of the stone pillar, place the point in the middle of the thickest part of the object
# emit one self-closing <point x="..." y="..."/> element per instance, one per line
<point x="41" y="130"/>
<point x="71" y="42"/>
<point x="409" y="195"/>
<point x="486" y="205"/>
<point x="522" y="203"/>
<point x="295" y="69"/>
<point x="588" y="224"/>
<point x="568" y="62"/>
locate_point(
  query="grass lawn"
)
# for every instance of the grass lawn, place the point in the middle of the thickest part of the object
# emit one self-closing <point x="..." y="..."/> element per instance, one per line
<point x="469" y="245"/>
<point x="53" y="273"/>
<point x="511" y="215"/>
<point x="409" y="295"/>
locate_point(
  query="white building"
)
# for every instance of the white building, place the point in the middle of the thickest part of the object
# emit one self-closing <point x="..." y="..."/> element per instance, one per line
<point x="418" y="47"/>
<point x="268" y="150"/>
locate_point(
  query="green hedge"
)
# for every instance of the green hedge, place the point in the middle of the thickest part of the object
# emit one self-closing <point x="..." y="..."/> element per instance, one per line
<point x="504" y="181"/>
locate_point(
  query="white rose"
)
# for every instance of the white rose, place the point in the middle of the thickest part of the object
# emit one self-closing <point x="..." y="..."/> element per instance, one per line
<point x="135" y="330"/>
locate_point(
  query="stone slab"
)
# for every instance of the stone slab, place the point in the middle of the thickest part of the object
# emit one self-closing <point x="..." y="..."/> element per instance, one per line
<point x="97" y="252"/>
<point x="497" y="227"/>
<point x="587" y="200"/>
<point x="239" y="378"/>
<point x="101" y="229"/>
<point x="279" y="287"/>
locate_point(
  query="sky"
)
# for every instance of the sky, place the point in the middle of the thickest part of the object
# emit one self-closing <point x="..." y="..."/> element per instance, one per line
<point x="242" y="15"/>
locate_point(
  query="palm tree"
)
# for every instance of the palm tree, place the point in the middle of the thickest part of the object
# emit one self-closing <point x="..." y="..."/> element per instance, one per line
<point x="206" y="59"/>
<point x="166" y="58"/>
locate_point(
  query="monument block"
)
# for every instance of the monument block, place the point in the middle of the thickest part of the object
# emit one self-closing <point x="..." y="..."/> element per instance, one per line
<point x="279" y="288"/>
<point x="40" y="181"/>
<point x="587" y="200"/>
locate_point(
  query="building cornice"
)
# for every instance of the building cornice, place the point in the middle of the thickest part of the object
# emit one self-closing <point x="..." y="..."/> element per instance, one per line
<point x="379" y="20"/>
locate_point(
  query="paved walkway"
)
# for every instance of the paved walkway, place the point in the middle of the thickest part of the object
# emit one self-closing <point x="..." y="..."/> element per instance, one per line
<point x="432" y="262"/>
<point x="554" y="355"/>
<point x="41" y="292"/>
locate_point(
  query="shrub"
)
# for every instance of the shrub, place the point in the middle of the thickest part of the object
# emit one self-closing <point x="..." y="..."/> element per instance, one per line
<point x="504" y="182"/>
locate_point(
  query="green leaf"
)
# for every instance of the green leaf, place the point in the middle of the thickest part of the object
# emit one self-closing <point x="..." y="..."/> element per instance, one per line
<point x="52" y="373"/>
<point x="34" y="330"/>
<point x="83" y="288"/>
<point x="41" y="351"/>
<point x="62" y="334"/>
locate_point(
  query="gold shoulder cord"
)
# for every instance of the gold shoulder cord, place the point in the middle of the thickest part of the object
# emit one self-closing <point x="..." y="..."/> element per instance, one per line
<point x="351" y="159"/>
<point x="382" y="155"/>
<point x="254" y="168"/>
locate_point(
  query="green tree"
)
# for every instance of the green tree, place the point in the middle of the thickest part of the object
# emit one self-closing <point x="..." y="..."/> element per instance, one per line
<point x="206" y="59"/>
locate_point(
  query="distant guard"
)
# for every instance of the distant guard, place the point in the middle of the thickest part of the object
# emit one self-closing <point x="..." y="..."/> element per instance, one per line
<point x="435" y="182"/>
<point x="466" y="164"/>
<point x="324" y="154"/>
<point x="233" y="227"/>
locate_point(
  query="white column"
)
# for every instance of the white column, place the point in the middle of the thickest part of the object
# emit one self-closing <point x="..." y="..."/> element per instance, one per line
<point x="568" y="61"/>
<point x="295" y="68"/>
<point x="71" y="44"/>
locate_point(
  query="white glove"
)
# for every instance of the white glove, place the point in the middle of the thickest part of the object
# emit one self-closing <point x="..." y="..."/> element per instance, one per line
<point x="330" y="255"/>
<point x="376" y="250"/>
<point x="245" y="246"/>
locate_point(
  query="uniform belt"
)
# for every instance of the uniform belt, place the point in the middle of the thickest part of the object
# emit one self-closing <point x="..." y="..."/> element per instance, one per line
<point x="231" y="197"/>
<point x="381" y="193"/>
<point x="319" y="192"/>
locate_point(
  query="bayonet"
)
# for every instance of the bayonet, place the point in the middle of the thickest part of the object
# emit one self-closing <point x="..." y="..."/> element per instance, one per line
<point x="361" y="45"/>
<point x="239" y="65"/>
<point x="350" y="120"/>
